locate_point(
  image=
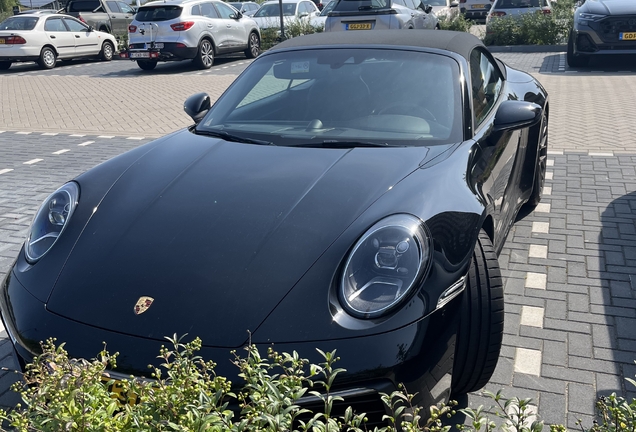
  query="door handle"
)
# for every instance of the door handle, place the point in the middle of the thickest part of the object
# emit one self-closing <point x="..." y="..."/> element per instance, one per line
<point x="52" y="37"/>
<point x="229" y="26"/>
<point x="77" y="36"/>
<point x="210" y="25"/>
<point x="113" y="16"/>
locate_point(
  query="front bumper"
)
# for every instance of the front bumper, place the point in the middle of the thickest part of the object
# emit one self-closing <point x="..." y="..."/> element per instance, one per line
<point x="169" y="51"/>
<point x="420" y="355"/>
<point x="604" y="36"/>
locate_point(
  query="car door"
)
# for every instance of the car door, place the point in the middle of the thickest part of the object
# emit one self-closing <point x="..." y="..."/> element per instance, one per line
<point x="87" y="43"/>
<point x="129" y="12"/>
<point x="237" y="34"/>
<point x="497" y="159"/>
<point x="118" y="21"/>
<point x="60" y="36"/>
<point x="215" y="26"/>
<point x="418" y="16"/>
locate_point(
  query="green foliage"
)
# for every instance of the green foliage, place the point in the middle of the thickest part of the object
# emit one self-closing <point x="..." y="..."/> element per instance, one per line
<point x="533" y="28"/>
<point x="457" y="22"/>
<point x="271" y="36"/>
<point x="6" y="8"/>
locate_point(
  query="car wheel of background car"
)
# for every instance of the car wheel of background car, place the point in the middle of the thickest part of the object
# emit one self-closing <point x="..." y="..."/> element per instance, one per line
<point x="5" y="65"/>
<point x="205" y="56"/>
<point x="542" y="157"/>
<point x="47" y="58"/>
<point x="147" y="64"/>
<point x="573" y="60"/>
<point x="253" y="46"/>
<point x="436" y="27"/>
<point x="482" y="315"/>
<point x="107" y="51"/>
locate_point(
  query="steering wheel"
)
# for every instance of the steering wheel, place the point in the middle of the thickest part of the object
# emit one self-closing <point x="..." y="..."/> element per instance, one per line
<point x="408" y="108"/>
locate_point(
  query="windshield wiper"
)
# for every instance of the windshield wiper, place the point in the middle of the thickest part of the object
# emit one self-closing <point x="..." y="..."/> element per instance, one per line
<point x="229" y="137"/>
<point x="341" y="144"/>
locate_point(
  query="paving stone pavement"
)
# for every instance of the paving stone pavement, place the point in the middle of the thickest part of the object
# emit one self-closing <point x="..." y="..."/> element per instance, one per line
<point x="569" y="266"/>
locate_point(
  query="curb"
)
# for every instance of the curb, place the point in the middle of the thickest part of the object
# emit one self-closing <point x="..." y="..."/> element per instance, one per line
<point x="527" y="48"/>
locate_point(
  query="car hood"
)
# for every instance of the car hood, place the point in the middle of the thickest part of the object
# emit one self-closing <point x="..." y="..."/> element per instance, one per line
<point x="609" y="7"/>
<point x="217" y="233"/>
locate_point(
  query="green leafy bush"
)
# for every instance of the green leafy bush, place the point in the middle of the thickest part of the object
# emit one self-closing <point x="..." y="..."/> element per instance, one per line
<point x="533" y="28"/>
<point x="271" y="36"/>
<point x="457" y="22"/>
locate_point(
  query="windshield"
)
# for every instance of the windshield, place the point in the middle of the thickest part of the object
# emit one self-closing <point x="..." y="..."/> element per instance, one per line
<point x="360" y="5"/>
<point x="372" y="95"/>
<point x="520" y="4"/>
<point x="158" y="13"/>
<point x="19" y="23"/>
<point x="84" y="6"/>
<point x="328" y="8"/>
<point x="435" y="2"/>
<point x="272" y="10"/>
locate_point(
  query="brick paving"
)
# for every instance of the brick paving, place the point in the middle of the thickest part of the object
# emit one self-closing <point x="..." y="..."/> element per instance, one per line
<point x="569" y="266"/>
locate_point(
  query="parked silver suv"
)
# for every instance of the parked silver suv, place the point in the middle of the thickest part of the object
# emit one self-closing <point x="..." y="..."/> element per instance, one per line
<point x="190" y="29"/>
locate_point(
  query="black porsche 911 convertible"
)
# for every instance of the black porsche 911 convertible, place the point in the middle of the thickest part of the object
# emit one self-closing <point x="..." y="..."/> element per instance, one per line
<point x="348" y="191"/>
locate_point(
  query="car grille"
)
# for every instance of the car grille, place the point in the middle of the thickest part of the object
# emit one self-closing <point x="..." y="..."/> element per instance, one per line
<point x="610" y="27"/>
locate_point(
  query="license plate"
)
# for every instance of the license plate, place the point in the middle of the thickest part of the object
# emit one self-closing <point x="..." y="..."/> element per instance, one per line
<point x="631" y="36"/>
<point x="139" y="55"/>
<point x="117" y="392"/>
<point x="1" y="41"/>
<point x="359" y="26"/>
<point x="478" y="6"/>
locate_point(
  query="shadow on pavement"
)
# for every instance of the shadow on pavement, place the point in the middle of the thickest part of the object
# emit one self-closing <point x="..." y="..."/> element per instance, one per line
<point x="599" y="65"/>
<point x="175" y="67"/>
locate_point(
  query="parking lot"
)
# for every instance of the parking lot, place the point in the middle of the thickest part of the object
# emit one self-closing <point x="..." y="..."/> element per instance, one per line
<point x="569" y="267"/>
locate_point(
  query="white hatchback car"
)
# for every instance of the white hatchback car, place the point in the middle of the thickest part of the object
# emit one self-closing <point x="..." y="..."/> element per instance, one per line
<point x="476" y="10"/>
<point x="44" y="38"/>
<point x="190" y="29"/>
<point x="268" y="16"/>
<point x="515" y="9"/>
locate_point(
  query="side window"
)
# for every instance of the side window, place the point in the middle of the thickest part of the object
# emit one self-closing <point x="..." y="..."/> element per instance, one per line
<point x="113" y="6"/>
<point x="75" y="26"/>
<point x="400" y="2"/>
<point x="303" y="8"/>
<point x="196" y="10"/>
<point x="54" y="25"/>
<point x="224" y="10"/>
<point x="486" y="84"/>
<point x="207" y="10"/>
<point x="311" y="7"/>
<point x="252" y="7"/>
<point x="125" y="8"/>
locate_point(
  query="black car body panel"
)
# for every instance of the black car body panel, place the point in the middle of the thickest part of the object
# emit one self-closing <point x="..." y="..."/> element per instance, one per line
<point x="230" y="238"/>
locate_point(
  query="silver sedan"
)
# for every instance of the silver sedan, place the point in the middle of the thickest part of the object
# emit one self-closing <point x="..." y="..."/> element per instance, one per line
<point x="46" y="38"/>
<point x="380" y="15"/>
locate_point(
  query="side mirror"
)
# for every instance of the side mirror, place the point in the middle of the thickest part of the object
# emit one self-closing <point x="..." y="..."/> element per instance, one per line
<point x="197" y="106"/>
<point x="514" y="114"/>
<point x="428" y="8"/>
<point x="454" y="4"/>
<point x="90" y="29"/>
<point x="488" y="6"/>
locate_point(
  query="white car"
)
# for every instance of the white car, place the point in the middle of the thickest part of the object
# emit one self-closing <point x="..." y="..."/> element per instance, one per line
<point x="45" y="38"/>
<point x="319" y="20"/>
<point x="357" y="15"/>
<point x="268" y="16"/>
<point x="448" y="8"/>
<point x="476" y="10"/>
<point x="515" y="9"/>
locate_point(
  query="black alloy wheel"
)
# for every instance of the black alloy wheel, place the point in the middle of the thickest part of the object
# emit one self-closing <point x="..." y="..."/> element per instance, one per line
<point x="542" y="161"/>
<point x="482" y="321"/>
<point x="106" y="54"/>
<point x="205" y="55"/>
<point x="5" y="65"/>
<point x="253" y="46"/>
<point x="48" y="58"/>
<point x="147" y="65"/>
<point x="574" y="60"/>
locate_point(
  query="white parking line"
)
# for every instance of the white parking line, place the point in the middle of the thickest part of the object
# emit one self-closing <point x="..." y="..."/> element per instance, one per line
<point x="538" y="251"/>
<point x="528" y="361"/>
<point x="536" y="280"/>
<point x="549" y="162"/>
<point x="541" y="227"/>
<point x="77" y="135"/>
<point x="49" y="134"/>
<point x="532" y="316"/>
<point x="32" y="161"/>
<point x="23" y="133"/>
<point x="602" y="154"/>
<point x="59" y="152"/>
<point x="542" y="208"/>
<point x="106" y="136"/>
<point x="85" y="143"/>
<point x="6" y="170"/>
<point x="135" y="138"/>
<point x="548" y="176"/>
<point x="555" y="152"/>
<point x="547" y="190"/>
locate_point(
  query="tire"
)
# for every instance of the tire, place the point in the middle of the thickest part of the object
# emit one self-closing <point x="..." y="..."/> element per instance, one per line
<point x="147" y="65"/>
<point x="107" y="52"/>
<point x="482" y="319"/>
<point x="5" y="65"/>
<point x="574" y="60"/>
<point x="205" y="55"/>
<point x="48" y="58"/>
<point x="542" y="158"/>
<point x="253" y="46"/>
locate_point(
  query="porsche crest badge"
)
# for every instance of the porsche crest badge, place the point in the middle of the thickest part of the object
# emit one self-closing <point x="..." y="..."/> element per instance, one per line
<point x="143" y="304"/>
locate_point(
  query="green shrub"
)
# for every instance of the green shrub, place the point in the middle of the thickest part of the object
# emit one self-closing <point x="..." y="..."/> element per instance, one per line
<point x="271" y="36"/>
<point x="456" y="23"/>
<point x="533" y="28"/>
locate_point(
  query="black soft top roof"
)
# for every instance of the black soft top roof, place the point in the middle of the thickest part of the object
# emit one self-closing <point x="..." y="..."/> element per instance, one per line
<point x="457" y="42"/>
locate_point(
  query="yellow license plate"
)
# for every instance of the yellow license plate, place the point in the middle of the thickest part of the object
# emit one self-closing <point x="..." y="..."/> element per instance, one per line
<point x="1" y="41"/>
<point x="631" y="36"/>
<point x="116" y="388"/>
<point x="479" y="6"/>
<point x="359" y="26"/>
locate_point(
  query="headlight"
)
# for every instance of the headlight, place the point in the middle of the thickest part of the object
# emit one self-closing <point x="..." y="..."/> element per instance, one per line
<point x="50" y="221"/>
<point x="384" y="266"/>
<point x="590" y="17"/>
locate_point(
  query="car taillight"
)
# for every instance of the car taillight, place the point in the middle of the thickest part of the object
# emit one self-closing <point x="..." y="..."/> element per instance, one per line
<point x="182" y="26"/>
<point x="497" y="13"/>
<point x="180" y="45"/>
<point x="132" y="29"/>
<point x="81" y="19"/>
<point x="14" y="40"/>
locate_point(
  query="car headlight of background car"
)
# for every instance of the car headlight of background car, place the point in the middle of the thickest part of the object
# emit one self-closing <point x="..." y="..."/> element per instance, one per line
<point x="384" y="266"/>
<point x="583" y="17"/>
<point x="50" y="221"/>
